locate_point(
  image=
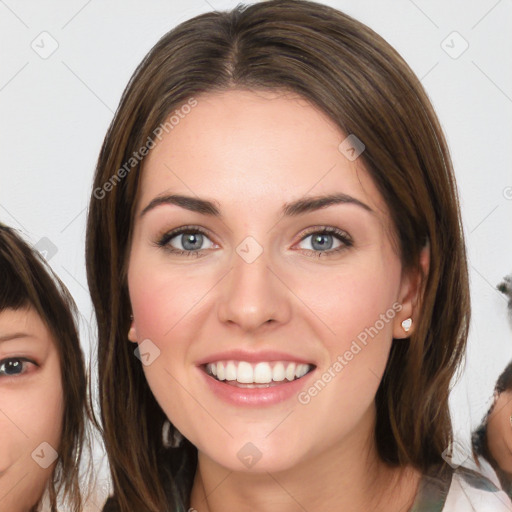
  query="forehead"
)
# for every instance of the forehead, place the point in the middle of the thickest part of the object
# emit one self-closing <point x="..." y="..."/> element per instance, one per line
<point x="243" y="147"/>
<point x="23" y="324"/>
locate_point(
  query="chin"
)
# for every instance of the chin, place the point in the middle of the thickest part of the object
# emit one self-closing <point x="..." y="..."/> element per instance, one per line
<point x="258" y="456"/>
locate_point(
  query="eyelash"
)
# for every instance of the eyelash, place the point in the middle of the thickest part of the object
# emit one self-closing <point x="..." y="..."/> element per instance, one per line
<point x="337" y="233"/>
<point x="24" y="360"/>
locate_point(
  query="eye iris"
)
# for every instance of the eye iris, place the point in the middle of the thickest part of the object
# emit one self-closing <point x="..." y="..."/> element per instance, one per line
<point x="192" y="238"/>
<point x="320" y="238"/>
<point x="12" y="367"/>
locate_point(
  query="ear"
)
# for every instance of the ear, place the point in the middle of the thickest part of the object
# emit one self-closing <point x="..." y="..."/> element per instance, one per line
<point x="411" y="289"/>
<point x="132" y="333"/>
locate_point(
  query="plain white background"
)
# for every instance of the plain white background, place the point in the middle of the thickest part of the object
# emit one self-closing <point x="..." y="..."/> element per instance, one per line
<point x="55" y="110"/>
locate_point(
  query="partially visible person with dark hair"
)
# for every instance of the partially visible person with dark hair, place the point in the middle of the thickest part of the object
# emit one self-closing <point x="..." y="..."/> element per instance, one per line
<point x="43" y="404"/>
<point x="492" y="440"/>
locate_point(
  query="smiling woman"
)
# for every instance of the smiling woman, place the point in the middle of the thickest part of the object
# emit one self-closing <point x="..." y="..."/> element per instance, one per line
<point x="42" y="384"/>
<point x="296" y="234"/>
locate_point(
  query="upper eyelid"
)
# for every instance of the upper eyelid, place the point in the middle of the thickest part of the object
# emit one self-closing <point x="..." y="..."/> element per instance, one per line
<point x="169" y="235"/>
<point x="24" y="359"/>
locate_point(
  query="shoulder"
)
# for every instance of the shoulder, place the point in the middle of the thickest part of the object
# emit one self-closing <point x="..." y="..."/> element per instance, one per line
<point x="470" y="490"/>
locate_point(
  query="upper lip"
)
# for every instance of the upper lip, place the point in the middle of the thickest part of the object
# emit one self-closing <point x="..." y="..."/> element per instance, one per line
<point x="252" y="357"/>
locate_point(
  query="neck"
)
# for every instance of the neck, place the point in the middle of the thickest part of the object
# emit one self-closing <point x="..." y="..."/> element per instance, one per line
<point x="349" y="477"/>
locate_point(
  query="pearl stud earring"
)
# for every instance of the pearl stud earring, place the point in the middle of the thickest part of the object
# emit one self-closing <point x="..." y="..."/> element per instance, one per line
<point x="406" y="324"/>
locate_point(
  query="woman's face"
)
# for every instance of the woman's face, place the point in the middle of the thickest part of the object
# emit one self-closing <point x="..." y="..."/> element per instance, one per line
<point x="268" y="297"/>
<point x="31" y="408"/>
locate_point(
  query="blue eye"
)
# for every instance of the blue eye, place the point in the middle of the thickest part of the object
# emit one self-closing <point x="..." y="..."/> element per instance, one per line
<point x="14" y="366"/>
<point x="322" y="241"/>
<point x="191" y="239"/>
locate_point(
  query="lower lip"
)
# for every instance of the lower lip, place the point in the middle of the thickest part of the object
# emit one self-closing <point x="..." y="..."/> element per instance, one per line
<point x="255" y="396"/>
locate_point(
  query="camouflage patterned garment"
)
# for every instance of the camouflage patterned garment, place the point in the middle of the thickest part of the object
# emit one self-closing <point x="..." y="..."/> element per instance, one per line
<point x="445" y="489"/>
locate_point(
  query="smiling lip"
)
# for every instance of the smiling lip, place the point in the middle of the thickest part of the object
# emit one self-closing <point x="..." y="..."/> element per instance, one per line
<point x="252" y="357"/>
<point x="257" y="396"/>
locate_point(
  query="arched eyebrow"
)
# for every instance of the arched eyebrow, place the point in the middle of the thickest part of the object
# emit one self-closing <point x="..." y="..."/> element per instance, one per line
<point x="309" y="204"/>
<point x="292" y="209"/>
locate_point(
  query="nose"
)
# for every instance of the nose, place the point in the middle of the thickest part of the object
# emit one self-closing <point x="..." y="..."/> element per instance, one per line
<point x="253" y="294"/>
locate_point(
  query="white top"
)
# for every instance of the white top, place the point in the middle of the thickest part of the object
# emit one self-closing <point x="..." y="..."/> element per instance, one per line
<point x="465" y="496"/>
<point x="460" y="489"/>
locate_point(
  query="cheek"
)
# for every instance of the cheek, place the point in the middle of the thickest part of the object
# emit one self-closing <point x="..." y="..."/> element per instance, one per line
<point x="13" y="422"/>
<point x="161" y="297"/>
<point x="49" y="412"/>
<point x="356" y="305"/>
<point x="35" y="417"/>
<point x="162" y="301"/>
<point x="41" y="411"/>
<point x="355" y="302"/>
<point x="31" y="416"/>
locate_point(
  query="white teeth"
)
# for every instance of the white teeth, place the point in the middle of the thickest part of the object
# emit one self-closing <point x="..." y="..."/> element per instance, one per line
<point x="290" y="371"/>
<point x="301" y="370"/>
<point x="245" y="374"/>
<point x="278" y="372"/>
<point x="259" y="373"/>
<point x="220" y="371"/>
<point x="230" y="371"/>
<point x="262" y="373"/>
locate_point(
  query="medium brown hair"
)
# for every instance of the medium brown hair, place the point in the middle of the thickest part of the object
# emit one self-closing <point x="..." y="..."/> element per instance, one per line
<point x="349" y="72"/>
<point x="28" y="281"/>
